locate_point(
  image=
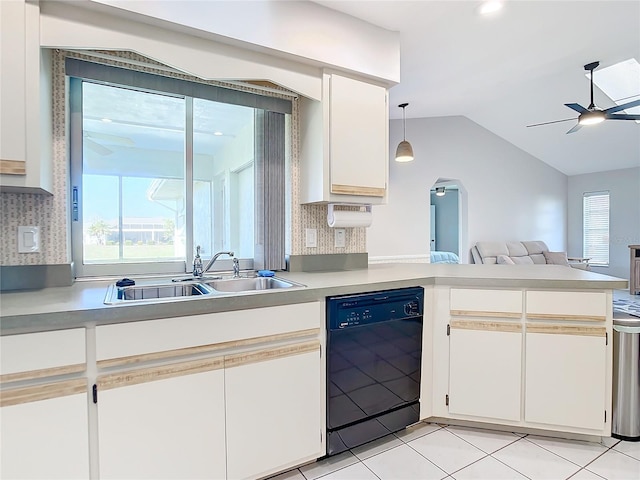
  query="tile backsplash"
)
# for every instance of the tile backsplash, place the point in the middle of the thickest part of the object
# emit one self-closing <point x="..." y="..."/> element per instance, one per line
<point x="51" y="213"/>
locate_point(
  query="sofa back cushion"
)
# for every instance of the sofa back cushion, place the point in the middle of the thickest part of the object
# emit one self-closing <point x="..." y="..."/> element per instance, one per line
<point x="535" y="250"/>
<point x="489" y="251"/>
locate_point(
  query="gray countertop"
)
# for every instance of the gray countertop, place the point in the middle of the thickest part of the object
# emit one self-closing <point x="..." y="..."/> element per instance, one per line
<point x="82" y="304"/>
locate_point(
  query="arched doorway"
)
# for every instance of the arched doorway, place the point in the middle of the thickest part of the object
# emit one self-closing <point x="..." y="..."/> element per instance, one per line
<point x="448" y="218"/>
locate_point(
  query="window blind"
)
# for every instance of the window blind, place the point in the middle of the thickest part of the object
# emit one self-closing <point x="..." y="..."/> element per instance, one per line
<point x="595" y="227"/>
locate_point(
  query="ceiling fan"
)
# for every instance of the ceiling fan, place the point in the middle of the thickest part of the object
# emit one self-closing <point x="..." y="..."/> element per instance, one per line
<point x="592" y="114"/>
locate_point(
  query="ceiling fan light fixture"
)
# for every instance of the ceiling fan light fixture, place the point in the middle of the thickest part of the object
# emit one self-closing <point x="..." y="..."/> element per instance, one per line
<point x="591" y="118"/>
<point x="404" y="152"/>
<point x="440" y="191"/>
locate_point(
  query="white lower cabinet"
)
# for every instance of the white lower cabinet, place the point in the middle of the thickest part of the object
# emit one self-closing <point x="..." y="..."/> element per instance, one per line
<point x="485" y="369"/>
<point x="273" y="409"/>
<point x="171" y="427"/>
<point x="566" y="372"/>
<point x="46" y="438"/>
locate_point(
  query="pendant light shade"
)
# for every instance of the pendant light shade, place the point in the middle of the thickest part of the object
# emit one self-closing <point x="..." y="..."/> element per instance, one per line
<point x="404" y="152"/>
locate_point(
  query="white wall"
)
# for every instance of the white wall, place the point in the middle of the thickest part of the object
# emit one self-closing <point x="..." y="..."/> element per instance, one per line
<point x="511" y="194"/>
<point x="624" y="215"/>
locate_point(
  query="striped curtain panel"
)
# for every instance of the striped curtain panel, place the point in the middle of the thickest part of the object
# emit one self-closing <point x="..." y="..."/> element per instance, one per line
<point x="270" y="191"/>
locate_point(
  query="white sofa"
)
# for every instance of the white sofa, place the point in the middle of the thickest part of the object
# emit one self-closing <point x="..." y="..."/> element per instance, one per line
<point x="533" y="252"/>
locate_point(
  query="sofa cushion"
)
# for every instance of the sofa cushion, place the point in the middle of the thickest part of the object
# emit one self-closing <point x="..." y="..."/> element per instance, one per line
<point x="535" y="247"/>
<point x="516" y="249"/>
<point x="504" y="260"/>
<point x="556" y="258"/>
<point x="522" y="260"/>
<point x="492" y="249"/>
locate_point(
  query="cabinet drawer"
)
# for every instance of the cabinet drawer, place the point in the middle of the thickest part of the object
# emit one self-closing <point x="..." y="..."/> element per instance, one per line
<point x="486" y="303"/>
<point x="37" y="355"/>
<point x="210" y="332"/>
<point x="584" y="306"/>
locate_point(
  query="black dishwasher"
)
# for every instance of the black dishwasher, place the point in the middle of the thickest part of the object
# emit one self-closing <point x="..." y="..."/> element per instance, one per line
<point x="374" y="354"/>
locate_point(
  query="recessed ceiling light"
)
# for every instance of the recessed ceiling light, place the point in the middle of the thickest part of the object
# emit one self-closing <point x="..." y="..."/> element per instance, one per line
<point x="217" y="134"/>
<point x="492" y="6"/>
<point x="106" y="120"/>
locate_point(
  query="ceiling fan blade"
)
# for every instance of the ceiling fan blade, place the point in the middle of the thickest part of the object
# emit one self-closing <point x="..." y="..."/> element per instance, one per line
<point x="109" y="138"/>
<point x="575" y="128"/>
<point x="96" y="147"/>
<point x="622" y="116"/>
<point x="549" y="123"/>
<point x="624" y="106"/>
<point x="576" y="107"/>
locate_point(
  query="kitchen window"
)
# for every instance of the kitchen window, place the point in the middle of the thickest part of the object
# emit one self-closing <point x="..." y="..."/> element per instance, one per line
<point x="596" y="228"/>
<point x="160" y="165"/>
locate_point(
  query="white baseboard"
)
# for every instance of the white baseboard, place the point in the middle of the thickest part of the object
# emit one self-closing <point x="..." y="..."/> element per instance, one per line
<point x="400" y="259"/>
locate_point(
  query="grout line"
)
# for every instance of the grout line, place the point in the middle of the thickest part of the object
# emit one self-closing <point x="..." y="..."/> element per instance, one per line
<point x="438" y="466"/>
<point x="506" y="464"/>
<point x="456" y="471"/>
<point x="367" y="467"/>
<point x="560" y="456"/>
<point x="515" y="439"/>
<point x="593" y="473"/>
<point x="623" y="453"/>
<point x="430" y="461"/>
<point x="420" y="436"/>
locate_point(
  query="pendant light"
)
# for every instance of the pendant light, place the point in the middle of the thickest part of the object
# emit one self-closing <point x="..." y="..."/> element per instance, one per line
<point x="404" y="152"/>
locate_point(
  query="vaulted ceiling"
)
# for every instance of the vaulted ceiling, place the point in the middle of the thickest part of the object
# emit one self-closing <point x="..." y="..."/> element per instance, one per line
<point x="515" y="68"/>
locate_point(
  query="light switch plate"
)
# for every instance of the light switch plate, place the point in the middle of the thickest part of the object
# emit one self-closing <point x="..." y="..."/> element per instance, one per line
<point x="28" y="239"/>
<point x="311" y="240"/>
<point x="340" y="238"/>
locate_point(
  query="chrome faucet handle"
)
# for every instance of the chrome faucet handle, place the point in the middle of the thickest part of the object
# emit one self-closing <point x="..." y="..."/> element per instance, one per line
<point x="236" y="267"/>
<point x="198" y="269"/>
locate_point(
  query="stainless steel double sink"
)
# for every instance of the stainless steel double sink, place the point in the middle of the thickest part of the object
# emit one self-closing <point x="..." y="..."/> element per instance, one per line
<point x="168" y="289"/>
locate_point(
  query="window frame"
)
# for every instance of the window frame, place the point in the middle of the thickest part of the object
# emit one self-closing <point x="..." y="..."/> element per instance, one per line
<point x="587" y="244"/>
<point x="77" y="72"/>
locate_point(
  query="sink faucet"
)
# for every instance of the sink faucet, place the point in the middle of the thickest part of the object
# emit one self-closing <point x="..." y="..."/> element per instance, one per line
<point x="197" y="263"/>
<point x="211" y="262"/>
<point x="236" y="267"/>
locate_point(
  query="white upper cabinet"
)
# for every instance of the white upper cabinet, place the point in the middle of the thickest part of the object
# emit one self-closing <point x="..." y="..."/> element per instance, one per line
<point x="345" y="143"/>
<point x="25" y="101"/>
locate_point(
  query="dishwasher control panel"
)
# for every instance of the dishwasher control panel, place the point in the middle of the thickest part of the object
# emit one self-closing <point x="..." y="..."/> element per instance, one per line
<point x="354" y="310"/>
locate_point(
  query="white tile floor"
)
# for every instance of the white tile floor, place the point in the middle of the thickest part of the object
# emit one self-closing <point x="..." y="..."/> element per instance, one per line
<point x="430" y="452"/>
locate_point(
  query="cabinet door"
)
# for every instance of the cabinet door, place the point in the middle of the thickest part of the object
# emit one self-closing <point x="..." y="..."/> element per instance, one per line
<point x="485" y="369"/>
<point x="154" y="425"/>
<point x="565" y="375"/>
<point x="13" y="85"/>
<point x="47" y="438"/>
<point x="359" y="146"/>
<point x="273" y="409"/>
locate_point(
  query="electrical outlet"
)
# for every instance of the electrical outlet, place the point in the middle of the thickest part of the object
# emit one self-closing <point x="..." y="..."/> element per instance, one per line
<point x="340" y="238"/>
<point x="311" y="240"/>
<point x="28" y="239"/>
